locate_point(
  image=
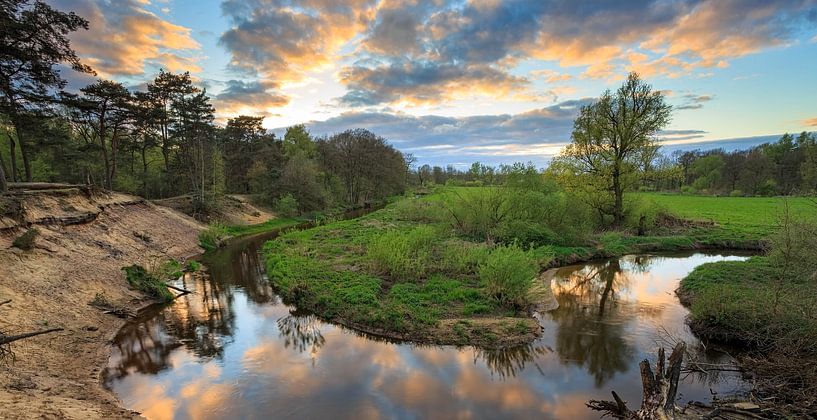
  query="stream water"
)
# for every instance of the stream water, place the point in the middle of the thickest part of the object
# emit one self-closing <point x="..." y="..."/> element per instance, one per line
<point x="232" y="349"/>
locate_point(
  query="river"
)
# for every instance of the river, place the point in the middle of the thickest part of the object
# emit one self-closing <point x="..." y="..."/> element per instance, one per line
<point x="232" y="349"/>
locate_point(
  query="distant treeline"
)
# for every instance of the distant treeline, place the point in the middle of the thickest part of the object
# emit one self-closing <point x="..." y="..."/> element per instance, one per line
<point x="785" y="167"/>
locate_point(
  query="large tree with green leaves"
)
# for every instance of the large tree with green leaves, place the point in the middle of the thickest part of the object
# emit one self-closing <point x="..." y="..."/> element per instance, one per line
<point x="33" y="41"/>
<point x="610" y="138"/>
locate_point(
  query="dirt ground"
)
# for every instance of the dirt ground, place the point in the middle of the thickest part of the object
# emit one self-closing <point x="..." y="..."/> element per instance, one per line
<point x="84" y="241"/>
<point x="238" y="210"/>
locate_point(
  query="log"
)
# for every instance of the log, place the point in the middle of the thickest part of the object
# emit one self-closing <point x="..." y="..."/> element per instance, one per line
<point x="178" y="289"/>
<point x="5" y="339"/>
<point x="659" y="389"/>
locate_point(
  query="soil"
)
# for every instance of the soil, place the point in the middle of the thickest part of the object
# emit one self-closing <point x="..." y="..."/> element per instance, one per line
<point x="84" y="240"/>
<point x="237" y="209"/>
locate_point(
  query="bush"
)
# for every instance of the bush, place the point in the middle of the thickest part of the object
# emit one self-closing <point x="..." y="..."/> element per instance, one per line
<point x="477" y="213"/>
<point x="414" y="210"/>
<point x="286" y="206"/>
<point x="461" y="257"/>
<point x="403" y="255"/>
<point x="686" y="189"/>
<point x="736" y="193"/>
<point x="192" y="266"/>
<point x="507" y="273"/>
<point x="26" y="240"/>
<point x="140" y="279"/>
<point x="214" y="236"/>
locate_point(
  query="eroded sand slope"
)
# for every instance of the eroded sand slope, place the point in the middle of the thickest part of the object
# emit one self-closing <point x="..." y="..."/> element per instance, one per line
<point x="85" y="239"/>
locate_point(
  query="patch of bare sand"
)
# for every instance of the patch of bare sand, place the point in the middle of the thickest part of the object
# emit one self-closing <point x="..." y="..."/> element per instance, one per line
<point x="57" y="375"/>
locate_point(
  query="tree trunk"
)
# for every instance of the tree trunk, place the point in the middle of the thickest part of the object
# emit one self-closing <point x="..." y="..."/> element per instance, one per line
<point x="13" y="158"/>
<point x="618" y="206"/>
<point x="23" y="149"/>
<point x="660" y="390"/>
<point x="3" y="184"/>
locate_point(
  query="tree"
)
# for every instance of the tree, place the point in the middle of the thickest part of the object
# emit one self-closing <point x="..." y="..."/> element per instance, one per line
<point x="611" y="135"/>
<point x="241" y="139"/>
<point x="33" y="41"/>
<point x="297" y="140"/>
<point x="104" y="108"/>
<point x="167" y="90"/>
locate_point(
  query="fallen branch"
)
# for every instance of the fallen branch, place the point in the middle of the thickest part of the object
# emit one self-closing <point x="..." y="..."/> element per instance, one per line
<point x="178" y="289"/>
<point x="5" y="302"/>
<point x="5" y="339"/>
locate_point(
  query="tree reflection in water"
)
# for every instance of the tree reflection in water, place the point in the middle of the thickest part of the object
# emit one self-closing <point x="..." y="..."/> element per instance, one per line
<point x="591" y="318"/>
<point x="202" y="321"/>
<point x="507" y="363"/>
<point x="301" y="331"/>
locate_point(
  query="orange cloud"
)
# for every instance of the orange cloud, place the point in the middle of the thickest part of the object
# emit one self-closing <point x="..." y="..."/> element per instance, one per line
<point x="811" y="122"/>
<point x="124" y="38"/>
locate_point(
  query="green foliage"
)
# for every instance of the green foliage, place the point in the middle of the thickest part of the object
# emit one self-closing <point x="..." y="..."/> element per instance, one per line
<point x="735" y="300"/>
<point x="26" y="240"/>
<point x="286" y="206"/>
<point x="459" y="257"/>
<point x="192" y="266"/>
<point x="403" y="255"/>
<point x="144" y="281"/>
<point x="214" y="236"/>
<point x="736" y="193"/>
<point x="507" y="274"/>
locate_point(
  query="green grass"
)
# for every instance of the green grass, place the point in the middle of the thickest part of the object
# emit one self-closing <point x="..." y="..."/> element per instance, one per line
<point x="407" y="270"/>
<point x="745" y="217"/>
<point x="735" y="301"/>
<point x="399" y="271"/>
<point x="272" y="224"/>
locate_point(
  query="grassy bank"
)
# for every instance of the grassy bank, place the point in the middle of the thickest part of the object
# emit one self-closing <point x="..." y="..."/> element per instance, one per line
<point x="767" y="304"/>
<point x="421" y="269"/>
<point x="402" y="272"/>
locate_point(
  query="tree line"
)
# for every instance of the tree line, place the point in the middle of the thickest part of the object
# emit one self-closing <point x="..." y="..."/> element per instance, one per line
<point x="162" y="141"/>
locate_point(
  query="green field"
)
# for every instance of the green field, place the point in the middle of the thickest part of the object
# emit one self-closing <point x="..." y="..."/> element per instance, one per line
<point x="749" y="216"/>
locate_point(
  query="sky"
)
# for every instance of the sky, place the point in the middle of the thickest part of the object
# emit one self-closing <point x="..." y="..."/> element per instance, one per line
<point x="458" y="81"/>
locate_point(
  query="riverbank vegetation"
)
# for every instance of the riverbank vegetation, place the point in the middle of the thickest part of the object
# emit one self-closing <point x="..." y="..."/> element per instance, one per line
<point x="767" y="304"/>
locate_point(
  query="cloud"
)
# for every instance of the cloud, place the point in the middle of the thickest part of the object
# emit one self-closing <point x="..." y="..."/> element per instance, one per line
<point x="424" y="82"/>
<point x="535" y="135"/>
<point x="282" y="40"/>
<point x="693" y="101"/>
<point x="255" y="97"/>
<point x="123" y="38"/>
<point x="551" y="76"/>
<point x="811" y="122"/>
<point x="654" y="37"/>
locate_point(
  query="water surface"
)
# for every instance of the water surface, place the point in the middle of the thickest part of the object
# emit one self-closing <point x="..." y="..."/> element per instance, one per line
<point x="232" y="349"/>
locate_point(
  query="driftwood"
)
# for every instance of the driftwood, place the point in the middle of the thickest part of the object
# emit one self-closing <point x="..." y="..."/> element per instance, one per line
<point x="5" y="339"/>
<point x="178" y="289"/>
<point x="660" y="389"/>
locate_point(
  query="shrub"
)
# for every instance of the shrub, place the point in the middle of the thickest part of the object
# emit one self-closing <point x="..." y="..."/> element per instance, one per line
<point x="686" y="189"/>
<point x="26" y="240"/>
<point x="403" y="254"/>
<point x="414" y="210"/>
<point x="507" y="273"/>
<point x="736" y="193"/>
<point x="214" y="236"/>
<point x="140" y="279"/>
<point x="477" y="213"/>
<point x="286" y="206"/>
<point x="192" y="266"/>
<point x="461" y="257"/>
